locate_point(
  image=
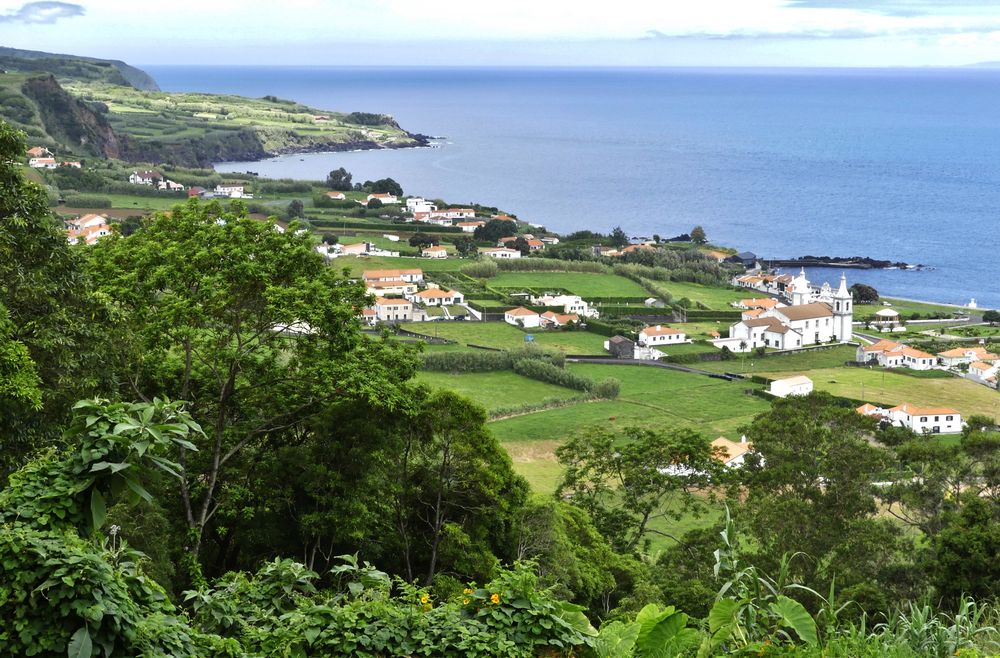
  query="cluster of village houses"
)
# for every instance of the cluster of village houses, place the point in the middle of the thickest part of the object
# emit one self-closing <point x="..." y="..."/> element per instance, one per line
<point x="164" y="184"/>
<point x="40" y="157"/>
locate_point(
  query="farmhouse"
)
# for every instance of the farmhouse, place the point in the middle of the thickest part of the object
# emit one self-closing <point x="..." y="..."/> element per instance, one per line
<point x="921" y="420"/>
<point x="39" y="152"/>
<point x="763" y="304"/>
<point x="983" y="370"/>
<point x="145" y="177"/>
<point x="232" y="191"/>
<point x="42" y="163"/>
<point x="960" y="355"/>
<point x="336" y="196"/>
<point x="75" y="164"/>
<point x="453" y="213"/>
<point x="393" y="310"/>
<point x="782" y="388"/>
<point x="435" y="251"/>
<point x="88" y="229"/>
<point x="501" y="252"/>
<point x="660" y="335"/>
<point x="437" y="297"/>
<point x="470" y="227"/>
<point x="890" y="354"/>
<point x="410" y="275"/>
<point x="569" y="303"/>
<point x="384" y="199"/>
<point x="391" y="287"/>
<point x="522" y="317"/>
<point x="169" y="186"/>
<point x="551" y="319"/>
<point x="731" y="453"/>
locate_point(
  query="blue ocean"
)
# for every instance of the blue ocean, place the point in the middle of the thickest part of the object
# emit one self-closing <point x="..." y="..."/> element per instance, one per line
<point x="894" y="164"/>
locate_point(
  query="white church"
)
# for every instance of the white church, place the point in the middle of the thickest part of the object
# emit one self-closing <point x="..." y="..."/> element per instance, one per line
<point x="810" y="317"/>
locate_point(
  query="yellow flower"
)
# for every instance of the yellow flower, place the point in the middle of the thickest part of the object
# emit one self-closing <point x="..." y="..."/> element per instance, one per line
<point x="466" y="591"/>
<point x="424" y="598"/>
<point x="495" y="598"/>
<point x="465" y="601"/>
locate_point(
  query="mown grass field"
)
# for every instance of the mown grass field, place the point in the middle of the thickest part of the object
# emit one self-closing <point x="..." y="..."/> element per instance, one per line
<point x="750" y="364"/>
<point x="714" y="298"/>
<point x="495" y="390"/>
<point x="650" y="398"/>
<point x="885" y="387"/>
<point x="503" y="336"/>
<point x="905" y="308"/>
<point x="579" y="283"/>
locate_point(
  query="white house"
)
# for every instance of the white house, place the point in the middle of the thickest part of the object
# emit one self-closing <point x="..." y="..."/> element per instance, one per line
<point x="416" y="203"/>
<point x="336" y="196"/>
<point x="501" y="252"/>
<point x="39" y="152"/>
<point x="660" y="335"/>
<point x="921" y="420"/>
<point x="731" y="453"/>
<point x="522" y="317"/>
<point x="232" y="191"/>
<point x="453" y="213"/>
<point x="392" y="287"/>
<point x="571" y="304"/>
<point x="782" y="388"/>
<point x="393" y="310"/>
<point x="412" y="275"/>
<point x="439" y="221"/>
<point x="384" y="199"/>
<point x="145" y="177"/>
<point x="470" y="227"/>
<point x="435" y="251"/>
<point x="960" y="355"/>
<point x="169" y="186"/>
<point x="75" y="164"/>
<point x="890" y="354"/>
<point x="437" y="297"/>
<point x="552" y="319"/>
<point x="983" y="370"/>
<point x="88" y="229"/>
<point x="42" y="163"/>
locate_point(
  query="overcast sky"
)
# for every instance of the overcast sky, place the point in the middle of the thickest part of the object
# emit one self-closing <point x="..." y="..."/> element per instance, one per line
<point x="513" y="32"/>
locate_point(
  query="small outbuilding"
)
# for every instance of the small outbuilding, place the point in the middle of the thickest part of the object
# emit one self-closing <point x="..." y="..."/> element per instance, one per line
<point x="800" y="385"/>
<point x="621" y="347"/>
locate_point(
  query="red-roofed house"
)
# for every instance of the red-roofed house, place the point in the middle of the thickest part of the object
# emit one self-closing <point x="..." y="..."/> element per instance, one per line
<point x="393" y="310"/>
<point x="522" y="317"/>
<point x="660" y="335"/>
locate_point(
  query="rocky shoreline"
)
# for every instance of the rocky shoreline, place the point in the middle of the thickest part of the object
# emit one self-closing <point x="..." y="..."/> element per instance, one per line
<point x="851" y="262"/>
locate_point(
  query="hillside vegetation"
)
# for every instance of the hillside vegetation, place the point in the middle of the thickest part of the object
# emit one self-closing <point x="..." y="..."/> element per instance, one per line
<point x="107" y="109"/>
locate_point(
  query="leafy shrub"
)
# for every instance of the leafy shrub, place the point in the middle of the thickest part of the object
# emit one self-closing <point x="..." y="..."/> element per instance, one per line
<point x="87" y="201"/>
<point x="478" y="361"/>
<point x="546" y="372"/>
<point x="607" y="389"/>
<point x="484" y="269"/>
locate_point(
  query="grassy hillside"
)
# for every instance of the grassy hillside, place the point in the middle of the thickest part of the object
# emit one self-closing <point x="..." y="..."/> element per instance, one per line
<point x="115" y="111"/>
<point x="73" y="67"/>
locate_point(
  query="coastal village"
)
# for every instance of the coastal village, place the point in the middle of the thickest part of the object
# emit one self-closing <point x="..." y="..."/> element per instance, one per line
<point x="757" y="329"/>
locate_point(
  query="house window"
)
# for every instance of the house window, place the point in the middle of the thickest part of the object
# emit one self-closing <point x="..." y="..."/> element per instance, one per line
<point x="949" y="417"/>
<point x="923" y="419"/>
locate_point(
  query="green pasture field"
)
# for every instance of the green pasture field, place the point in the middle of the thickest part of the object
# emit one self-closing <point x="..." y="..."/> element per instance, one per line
<point x="905" y="308"/>
<point x="503" y="336"/>
<point x="584" y="284"/>
<point x="715" y="298"/>
<point x="494" y="390"/>
<point x="834" y="357"/>
<point x="978" y="331"/>
<point x="885" y="387"/>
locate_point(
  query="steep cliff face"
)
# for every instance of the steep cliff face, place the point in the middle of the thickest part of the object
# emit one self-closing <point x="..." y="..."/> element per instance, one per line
<point x="70" y="121"/>
<point x="74" y="67"/>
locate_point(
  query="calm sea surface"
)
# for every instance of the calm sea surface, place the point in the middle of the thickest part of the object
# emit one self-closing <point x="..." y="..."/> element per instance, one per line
<point x="901" y="165"/>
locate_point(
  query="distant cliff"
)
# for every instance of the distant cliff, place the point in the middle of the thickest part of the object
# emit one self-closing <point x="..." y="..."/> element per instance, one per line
<point x="70" y="121"/>
<point x="73" y="67"/>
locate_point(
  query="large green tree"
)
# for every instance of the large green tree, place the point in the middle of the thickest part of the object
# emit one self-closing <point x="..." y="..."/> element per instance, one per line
<point x="251" y="326"/>
<point x="627" y="482"/>
<point x="810" y="488"/>
<point x="51" y="331"/>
